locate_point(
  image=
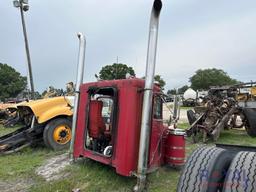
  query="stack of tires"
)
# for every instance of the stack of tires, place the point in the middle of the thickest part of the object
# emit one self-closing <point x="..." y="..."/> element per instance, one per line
<point x="213" y="169"/>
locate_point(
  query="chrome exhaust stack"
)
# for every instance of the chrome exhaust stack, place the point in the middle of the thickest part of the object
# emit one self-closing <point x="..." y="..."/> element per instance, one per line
<point x="79" y="81"/>
<point x="147" y="99"/>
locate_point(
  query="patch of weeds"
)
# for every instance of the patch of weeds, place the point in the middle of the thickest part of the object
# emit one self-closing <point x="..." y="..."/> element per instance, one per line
<point x="7" y="130"/>
<point x="183" y="125"/>
<point x="23" y="163"/>
<point x="88" y="175"/>
<point x="236" y="137"/>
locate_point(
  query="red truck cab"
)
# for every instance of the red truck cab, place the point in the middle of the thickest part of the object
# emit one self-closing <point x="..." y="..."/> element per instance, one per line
<point x="109" y="121"/>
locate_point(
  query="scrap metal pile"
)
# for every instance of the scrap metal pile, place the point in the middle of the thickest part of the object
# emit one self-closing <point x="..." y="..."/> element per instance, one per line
<point x="8" y="115"/>
<point x="224" y="108"/>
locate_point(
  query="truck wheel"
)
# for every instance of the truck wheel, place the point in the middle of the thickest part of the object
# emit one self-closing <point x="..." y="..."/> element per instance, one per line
<point x="57" y="134"/>
<point x="250" y="124"/>
<point x="204" y="170"/>
<point x="241" y="175"/>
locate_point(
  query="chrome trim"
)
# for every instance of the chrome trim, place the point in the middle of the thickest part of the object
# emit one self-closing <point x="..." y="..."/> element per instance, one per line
<point x="79" y="81"/>
<point x="148" y="96"/>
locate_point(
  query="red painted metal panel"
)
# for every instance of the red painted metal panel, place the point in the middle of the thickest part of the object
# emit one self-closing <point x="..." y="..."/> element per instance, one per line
<point x="127" y="134"/>
<point x="156" y="144"/>
<point x="127" y="145"/>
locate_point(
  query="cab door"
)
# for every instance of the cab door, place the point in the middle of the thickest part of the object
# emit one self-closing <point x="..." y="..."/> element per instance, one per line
<point x="157" y="132"/>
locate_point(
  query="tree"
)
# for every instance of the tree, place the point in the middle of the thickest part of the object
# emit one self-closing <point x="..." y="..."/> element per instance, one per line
<point x="160" y="80"/>
<point x="181" y="90"/>
<point x="11" y="82"/>
<point x="203" y="79"/>
<point x="115" y="71"/>
<point x="37" y="95"/>
<point x="25" y="93"/>
<point x="171" y="92"/>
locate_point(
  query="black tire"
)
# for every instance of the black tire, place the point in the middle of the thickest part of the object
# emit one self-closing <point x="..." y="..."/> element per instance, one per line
<point x="204" y="170"/>
<point x="241" y="175"/>
<point x="250" y="124"/>
<point x="191" y="116"/>
<point x="49" y="130"/>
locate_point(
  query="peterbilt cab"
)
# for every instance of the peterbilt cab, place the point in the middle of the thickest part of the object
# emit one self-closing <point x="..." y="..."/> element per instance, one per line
<point x="108" y="124"/>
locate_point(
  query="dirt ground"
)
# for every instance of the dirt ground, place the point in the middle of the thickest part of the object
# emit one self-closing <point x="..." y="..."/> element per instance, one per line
<point x="167" y="113"/>
<point x="52" y="168"/>
<point x="20" y="185"/>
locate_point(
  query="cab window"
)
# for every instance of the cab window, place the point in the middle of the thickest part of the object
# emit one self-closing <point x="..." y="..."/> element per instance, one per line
<point x="157" y="107"/>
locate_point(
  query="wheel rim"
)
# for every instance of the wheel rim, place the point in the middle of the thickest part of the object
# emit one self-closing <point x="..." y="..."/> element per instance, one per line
<point x="62" y="134"/>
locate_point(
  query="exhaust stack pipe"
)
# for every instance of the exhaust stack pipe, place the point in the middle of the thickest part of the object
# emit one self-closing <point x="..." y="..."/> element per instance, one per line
<point x="79" y="81"/>
<point x="147" y="99"/>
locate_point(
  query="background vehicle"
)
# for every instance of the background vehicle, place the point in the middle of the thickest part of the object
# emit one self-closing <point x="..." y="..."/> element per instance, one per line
<point x="189" y="98"/>
<point x="47" y="120"/>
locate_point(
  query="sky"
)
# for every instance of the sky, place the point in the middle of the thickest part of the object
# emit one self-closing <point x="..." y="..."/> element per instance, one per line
<point x="193" y="34"/>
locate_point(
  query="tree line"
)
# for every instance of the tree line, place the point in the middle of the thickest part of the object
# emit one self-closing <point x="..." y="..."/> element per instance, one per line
<point x="13" y="83"/>
<point x="203" y="79"/>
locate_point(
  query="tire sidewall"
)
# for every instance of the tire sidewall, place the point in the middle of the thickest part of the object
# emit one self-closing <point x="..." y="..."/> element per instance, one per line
<point x="212" y="176"/>
<point x="49" y="130"/>
<point x="218" y="170"/>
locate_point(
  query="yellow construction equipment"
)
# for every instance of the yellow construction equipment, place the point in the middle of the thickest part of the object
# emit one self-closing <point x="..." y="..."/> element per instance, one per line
<point x="48" y="120"/>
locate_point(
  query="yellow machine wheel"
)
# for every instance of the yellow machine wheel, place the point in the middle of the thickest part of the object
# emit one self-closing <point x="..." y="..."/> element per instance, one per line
<point x="62" y="134"/>
<point x="57" y="133"/>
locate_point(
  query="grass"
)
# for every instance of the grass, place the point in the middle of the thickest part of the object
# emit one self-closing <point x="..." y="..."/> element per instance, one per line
<point x="88" y="175"/>
<point x="236" y="137"/>
<point x="183" y="125"/>
<point x="4" y="131"/>
<point x="22" y="164"/>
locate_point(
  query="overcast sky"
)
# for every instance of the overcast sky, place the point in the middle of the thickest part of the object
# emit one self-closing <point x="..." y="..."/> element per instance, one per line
<point x="193" y="34"/>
